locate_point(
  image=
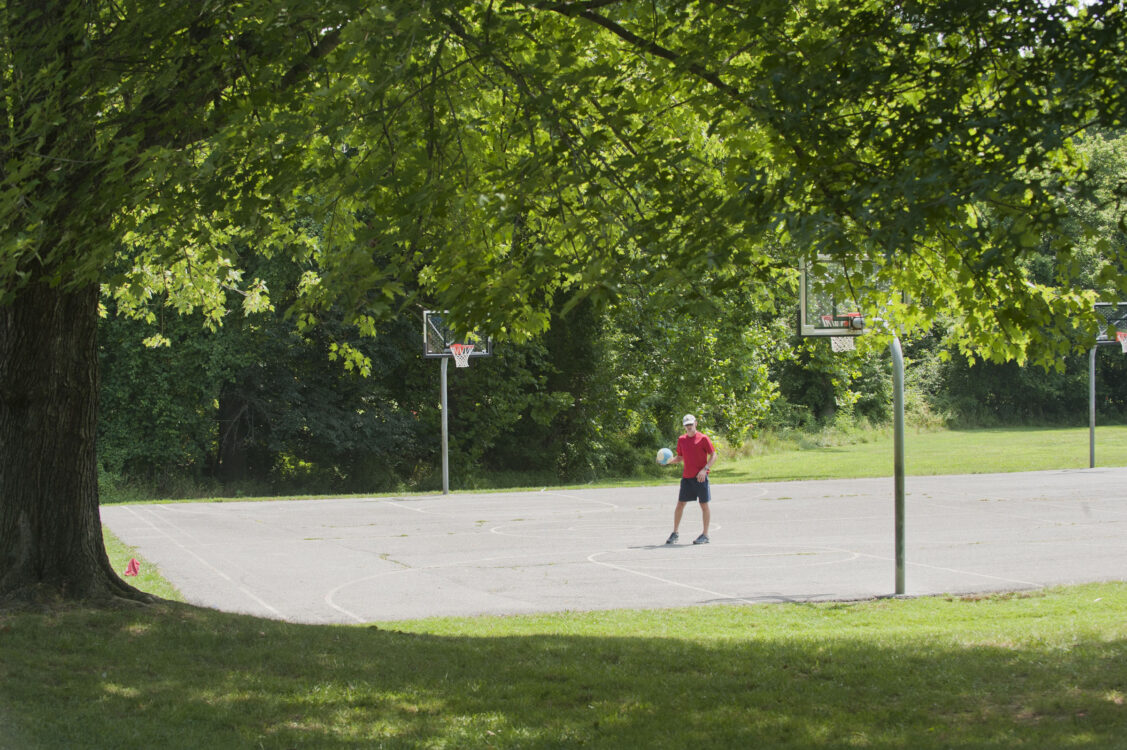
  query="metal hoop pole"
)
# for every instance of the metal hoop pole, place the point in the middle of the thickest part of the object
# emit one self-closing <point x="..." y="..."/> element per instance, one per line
<point x="445" y="433"/>
<point x="1092" y="408"/>
<point x="898" y="458"/>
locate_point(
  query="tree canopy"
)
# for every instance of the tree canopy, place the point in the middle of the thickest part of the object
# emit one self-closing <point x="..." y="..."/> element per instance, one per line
<point x="506" y="158"/>
<point x="488" y="156"/>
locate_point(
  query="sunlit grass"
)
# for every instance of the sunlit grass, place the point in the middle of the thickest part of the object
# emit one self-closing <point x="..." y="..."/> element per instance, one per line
<point x="870" y="454"/>
<point x="865" y="453"/>
<point x="148" y="577"/>
<point x="1041" y="669"/>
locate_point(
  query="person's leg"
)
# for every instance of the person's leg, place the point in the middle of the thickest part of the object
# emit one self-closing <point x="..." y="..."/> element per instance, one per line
<point x="677" y="513"/>
<point x="704" y="495"/>
<point x="687" y="494"/>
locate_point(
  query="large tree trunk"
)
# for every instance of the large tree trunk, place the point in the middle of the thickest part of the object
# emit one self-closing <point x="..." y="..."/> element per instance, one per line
<point x="50" y="531"/>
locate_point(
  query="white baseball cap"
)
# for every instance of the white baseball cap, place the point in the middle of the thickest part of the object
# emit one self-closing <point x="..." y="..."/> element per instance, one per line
<point x="688" y="419"/>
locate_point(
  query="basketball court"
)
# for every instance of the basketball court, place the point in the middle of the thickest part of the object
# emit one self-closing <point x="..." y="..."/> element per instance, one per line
<point x="359" y="560"/>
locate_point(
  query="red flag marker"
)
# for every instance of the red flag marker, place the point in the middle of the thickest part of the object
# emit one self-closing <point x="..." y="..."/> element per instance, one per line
<point x="133" y="568"/>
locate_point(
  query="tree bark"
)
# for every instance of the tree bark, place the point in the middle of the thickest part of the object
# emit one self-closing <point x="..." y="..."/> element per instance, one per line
<point x="51" y="545"/>
<point x="232" y="453"/>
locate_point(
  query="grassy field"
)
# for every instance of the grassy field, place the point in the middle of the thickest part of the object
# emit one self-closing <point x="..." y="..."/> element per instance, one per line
<point x="869" y="453"/>
<point x="1044" y="669"/>
<point x="1040" y="670"/>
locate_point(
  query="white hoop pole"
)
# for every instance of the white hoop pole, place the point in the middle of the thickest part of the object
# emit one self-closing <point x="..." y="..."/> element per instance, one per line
<point x="898" y="457"/>
<point x="1092" y="408"/>
<point x="445" y="433"/>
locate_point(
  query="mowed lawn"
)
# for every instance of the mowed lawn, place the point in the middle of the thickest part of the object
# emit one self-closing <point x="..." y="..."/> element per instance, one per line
<point x="1046" y="669"/>
<point x="930" y="453"/>
<point x="1040" y="669"/>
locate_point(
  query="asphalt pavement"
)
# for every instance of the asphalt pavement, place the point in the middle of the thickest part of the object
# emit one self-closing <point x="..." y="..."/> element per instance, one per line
<point x="361" y="560"/>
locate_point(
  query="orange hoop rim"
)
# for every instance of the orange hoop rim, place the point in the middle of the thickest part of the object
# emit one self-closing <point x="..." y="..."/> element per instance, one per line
<point x="461" y="354"/>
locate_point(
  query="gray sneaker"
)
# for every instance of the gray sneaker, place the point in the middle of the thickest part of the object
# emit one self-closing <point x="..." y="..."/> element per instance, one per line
<point x="673" y="538"/>
<point x="702" y="539"/>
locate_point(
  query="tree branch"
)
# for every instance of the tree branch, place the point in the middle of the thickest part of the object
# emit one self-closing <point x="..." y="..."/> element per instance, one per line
<point x="323" y="47"/>
<point x="583" y="10"/>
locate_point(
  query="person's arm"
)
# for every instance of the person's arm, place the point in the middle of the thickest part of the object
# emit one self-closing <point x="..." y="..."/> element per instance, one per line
<point x="703" y="473"/>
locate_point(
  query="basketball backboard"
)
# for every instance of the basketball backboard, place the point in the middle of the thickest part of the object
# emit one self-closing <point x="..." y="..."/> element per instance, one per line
<point x="438" y="337"/>
<point x="1113" y="320"/>
<point x="825" y="305"/>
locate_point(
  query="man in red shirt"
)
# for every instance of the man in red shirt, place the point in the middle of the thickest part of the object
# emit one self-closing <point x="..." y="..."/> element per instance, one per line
<point x="695" y="452"/>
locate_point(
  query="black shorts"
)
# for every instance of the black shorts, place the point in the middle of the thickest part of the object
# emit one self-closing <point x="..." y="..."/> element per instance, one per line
<point x="692" y="490"/>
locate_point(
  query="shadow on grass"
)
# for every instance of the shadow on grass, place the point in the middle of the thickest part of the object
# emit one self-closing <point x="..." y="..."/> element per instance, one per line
<point x="179" y="677"/>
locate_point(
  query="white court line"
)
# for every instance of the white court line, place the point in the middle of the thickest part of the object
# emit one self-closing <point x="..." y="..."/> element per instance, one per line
<point x="546" y="528"/>
<point x="672" y="493"/>
<point x="951" y="570"/>
<point x="328" y="599"/>
<point x="204" y="562"/>
<point x="850" y="557"/>
<point x="188" y="509"/>
<point x="505" y="505"/>
<point x="854" y="555"/>
<point x="613" y="506"/>
<point x="717" y="594"/>
<point x="417" y="510"/>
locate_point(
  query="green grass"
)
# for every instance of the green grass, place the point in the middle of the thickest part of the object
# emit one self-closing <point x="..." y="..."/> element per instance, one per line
<point x="148" y="578"/>
<point x="1043" y="670"/>
<point x="869" y="453"/>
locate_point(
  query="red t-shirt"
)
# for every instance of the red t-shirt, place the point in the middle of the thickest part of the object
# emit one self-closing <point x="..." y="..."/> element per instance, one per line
<point x="695" y="451"/>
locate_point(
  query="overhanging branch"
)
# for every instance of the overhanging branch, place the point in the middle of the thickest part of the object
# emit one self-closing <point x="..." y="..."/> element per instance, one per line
<point x="584" y="11"/>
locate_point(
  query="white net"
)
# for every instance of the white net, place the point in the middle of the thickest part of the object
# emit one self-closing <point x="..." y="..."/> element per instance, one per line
<point x="461" y="354"/>
<point x="842" y="343"/>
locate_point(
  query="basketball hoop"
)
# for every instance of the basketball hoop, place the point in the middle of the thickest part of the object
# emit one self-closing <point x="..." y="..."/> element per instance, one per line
<point x="461" y="354"/>
<point x="847" y="344"/>
<point x="1121" y="337"/>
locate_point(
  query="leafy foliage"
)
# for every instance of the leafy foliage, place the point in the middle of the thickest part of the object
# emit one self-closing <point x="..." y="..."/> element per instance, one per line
<point x="514" y="161"/>
<point x="584" y="149"/>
